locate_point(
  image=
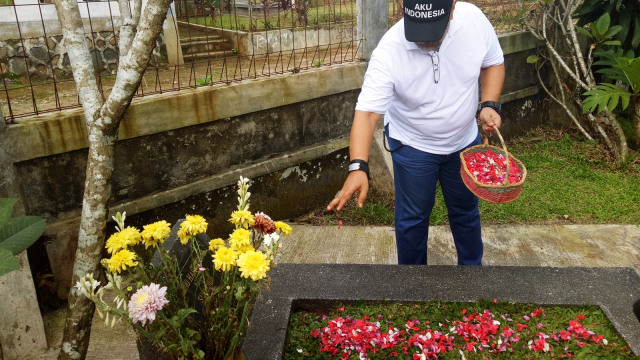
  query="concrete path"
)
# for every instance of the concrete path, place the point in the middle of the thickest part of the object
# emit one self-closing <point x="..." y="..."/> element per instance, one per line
<point x="528" y="245"/>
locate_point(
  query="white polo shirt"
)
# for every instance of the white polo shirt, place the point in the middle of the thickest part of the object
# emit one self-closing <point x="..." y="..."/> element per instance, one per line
<point x="399" y="83"/>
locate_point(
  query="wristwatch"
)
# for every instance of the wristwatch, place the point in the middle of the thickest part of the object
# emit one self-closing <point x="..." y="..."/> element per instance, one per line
<point x="491" y="104"/>
<point x="356" y="165"/>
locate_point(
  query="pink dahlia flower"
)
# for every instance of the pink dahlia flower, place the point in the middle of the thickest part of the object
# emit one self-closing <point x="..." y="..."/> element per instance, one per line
<point x="146" y="302"/>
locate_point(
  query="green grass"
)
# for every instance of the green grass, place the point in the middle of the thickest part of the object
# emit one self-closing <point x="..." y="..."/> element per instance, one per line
<point x="569" y="180"/>
<point x="441" y="316"/>
<point x="316" y="16"/>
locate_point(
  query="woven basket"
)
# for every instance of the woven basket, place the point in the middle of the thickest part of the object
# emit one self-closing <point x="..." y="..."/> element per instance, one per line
<point x="498" y="194"/>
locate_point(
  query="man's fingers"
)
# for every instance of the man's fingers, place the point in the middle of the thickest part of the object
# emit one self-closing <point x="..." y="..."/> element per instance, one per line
<point x="361" y="199"/>
<point x="338" y="202"/>
<point x="356" y="183"/>
<point x="335" y="202"/>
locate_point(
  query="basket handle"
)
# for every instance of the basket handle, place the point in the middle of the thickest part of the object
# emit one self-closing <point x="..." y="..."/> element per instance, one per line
<point x="506" y="153"/>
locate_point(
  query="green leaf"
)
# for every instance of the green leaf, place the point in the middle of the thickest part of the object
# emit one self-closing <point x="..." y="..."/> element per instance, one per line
<point x="8" y="262"/>
<point x="631" y="71"/>
<point x="602" y="24"/>
<point x="239" y="293"/>
<point x="612" y="31"/>
<point x="6" y="209"/>
<point x="532" y="59"/>
<point x="613" y="43"/>
<point x="584" y="32"/>
<point x="19" y="233"/>
<point x="635" y="40"/>
<point x="605" y="96"/>
<point x="618" y="5"/>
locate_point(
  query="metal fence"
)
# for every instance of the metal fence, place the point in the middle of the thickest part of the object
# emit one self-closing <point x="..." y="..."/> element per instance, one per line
<point x="204" y="43"/>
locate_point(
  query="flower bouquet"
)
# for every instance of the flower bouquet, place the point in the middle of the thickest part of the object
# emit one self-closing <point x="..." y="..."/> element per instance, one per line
<point x="191" y="304"/>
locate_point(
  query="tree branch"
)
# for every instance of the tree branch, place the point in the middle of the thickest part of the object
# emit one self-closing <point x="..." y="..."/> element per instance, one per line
<point x="79" y="56"/>
<point x="578" y="54"/>
<point x="562" y="102"/>
<point x="127" y="29"/>
<point x="137" y="9"/>
<point x="135" y="62"/>
<point x="564" y="65"/>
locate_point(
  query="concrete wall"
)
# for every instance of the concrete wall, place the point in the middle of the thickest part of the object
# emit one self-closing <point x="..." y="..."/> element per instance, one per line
<point x="275" y="41"/>
<point x="183" y="152"/>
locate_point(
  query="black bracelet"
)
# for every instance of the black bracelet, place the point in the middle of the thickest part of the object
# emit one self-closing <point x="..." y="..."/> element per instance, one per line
<point x="356" y="165"/>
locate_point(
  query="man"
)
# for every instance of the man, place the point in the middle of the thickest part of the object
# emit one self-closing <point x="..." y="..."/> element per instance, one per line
<point x="423" y="77"/>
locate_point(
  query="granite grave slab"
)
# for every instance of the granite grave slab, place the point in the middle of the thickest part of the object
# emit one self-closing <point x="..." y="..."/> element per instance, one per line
<point x="615" y="290"/>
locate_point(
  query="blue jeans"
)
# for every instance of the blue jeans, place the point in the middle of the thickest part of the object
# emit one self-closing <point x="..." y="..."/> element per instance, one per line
<point x="416" y="174"/>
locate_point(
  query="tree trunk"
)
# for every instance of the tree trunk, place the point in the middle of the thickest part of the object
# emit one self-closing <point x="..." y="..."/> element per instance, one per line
<point x="618" y="146"/>
<point x="103" y="121"/>
<point x="97" y="191"/>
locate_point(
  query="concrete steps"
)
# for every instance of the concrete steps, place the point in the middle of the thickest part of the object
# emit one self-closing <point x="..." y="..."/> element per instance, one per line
<point x="204" y="47"/>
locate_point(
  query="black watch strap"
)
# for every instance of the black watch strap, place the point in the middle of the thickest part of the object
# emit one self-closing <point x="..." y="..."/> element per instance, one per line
<point x="491" y="104"/>
<point x="362" y="165"/>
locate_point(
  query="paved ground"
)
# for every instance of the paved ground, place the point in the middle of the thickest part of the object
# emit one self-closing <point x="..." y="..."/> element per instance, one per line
<point x="531" y="245"/>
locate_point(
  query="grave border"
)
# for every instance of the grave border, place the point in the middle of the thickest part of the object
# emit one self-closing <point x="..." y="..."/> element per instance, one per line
<point x="616" y="290"/>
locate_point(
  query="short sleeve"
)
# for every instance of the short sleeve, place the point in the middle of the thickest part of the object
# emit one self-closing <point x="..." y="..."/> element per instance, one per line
<point x="378" y="88"/>
<point x="494" y="55"/>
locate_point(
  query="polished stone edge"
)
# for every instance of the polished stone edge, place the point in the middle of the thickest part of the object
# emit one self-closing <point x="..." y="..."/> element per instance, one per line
<point x="615" y="290"/>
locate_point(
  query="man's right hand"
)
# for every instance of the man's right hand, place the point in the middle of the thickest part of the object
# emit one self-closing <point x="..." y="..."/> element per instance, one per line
<point x="357" y="182"/>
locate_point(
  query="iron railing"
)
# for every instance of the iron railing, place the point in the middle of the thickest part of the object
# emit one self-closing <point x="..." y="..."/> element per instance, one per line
<point x="208" y="43"/>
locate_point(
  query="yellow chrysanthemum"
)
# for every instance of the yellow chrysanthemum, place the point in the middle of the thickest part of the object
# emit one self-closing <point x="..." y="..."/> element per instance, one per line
<point x="121" y="260"/>
<point x="283" y="228"/>
<point x="240" y="238"/>
<point x="132" y="235"/>
<point x="115" y="243"/>
<point x="253" y="264"/>
<point x="216" y="244"/>
<point x="244" y="248"/>
<point x="155" y="233"/>
<point x="224" y="259"/>
<point x="242" y="218"/>
<point x="184" y="236"/>
<point x="194" y="224"/>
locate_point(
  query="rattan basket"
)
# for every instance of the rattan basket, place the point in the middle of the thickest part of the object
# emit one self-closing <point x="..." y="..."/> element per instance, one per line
<point x="498" y="194"/>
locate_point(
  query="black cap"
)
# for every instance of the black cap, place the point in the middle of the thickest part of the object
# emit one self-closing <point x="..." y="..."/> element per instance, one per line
<point x="426" y="20"/>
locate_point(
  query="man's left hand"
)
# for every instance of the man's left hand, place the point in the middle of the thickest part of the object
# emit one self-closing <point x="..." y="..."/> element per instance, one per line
<point x="490" y="120"/>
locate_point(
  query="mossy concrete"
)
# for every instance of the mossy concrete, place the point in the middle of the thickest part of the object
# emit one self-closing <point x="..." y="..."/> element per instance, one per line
<point x="310" y="286"/>
<point x="504" y="245"/>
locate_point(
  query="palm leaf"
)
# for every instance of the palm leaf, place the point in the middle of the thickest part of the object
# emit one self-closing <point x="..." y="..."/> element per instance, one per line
<point x="605" y="96"/>
<point x="631" y="71"/>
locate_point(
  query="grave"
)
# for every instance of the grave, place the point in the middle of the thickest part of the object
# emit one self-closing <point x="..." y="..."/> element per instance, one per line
<point x="615" y="290"/>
